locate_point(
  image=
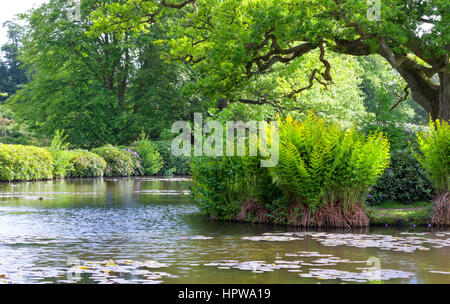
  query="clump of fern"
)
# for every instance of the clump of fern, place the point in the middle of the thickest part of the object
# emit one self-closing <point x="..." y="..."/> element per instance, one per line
<point x="322" y="163"/>
<point x="434" y="153"/>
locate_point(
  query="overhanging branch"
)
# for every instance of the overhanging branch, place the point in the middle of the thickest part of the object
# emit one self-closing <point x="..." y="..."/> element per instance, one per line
<point x="400" y="98"/>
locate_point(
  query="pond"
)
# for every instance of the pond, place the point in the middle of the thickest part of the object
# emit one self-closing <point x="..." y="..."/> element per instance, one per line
<point x="146" y="230"/>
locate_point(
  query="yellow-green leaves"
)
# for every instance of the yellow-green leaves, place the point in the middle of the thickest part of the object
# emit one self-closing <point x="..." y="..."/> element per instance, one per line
<point x="434" y="155"/>
<point x="25" y="163"/>
<point x="322" y="163"/>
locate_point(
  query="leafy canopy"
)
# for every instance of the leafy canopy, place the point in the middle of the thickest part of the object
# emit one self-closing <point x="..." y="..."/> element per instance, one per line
<point x="234" y="42"/>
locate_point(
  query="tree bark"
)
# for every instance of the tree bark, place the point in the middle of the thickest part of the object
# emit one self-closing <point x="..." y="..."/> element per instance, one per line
<point x="444" y="96"/>
<point x="433" y="97"/>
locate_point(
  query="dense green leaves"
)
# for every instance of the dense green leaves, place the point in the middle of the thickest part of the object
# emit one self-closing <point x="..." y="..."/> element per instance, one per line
<point x="319" y="163"/>
<point x="12" y="74"/>
<point x="221" y="184"/>
<point x="172" y="165"/>
<point x="100" y="89"/>
<point x="147" y="152"/>
<point x="434" y="154"/>
<point x="119" y="162"/>
<point x="25" y="163"/>
<point x="61" y="156"/>
<point x="85" y="164"/>
<point x="404" y="181"/>
<point x="235" y="43"/>
<point x="322" y="163"/>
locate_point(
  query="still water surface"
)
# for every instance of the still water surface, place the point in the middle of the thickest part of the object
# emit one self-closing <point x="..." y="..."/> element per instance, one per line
<point x="147" y="230"/>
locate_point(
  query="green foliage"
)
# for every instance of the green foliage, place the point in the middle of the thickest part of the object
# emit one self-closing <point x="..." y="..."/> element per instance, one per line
<point x="381" y="87"/>
<point x="220" y="184"/>
<point x="12" y="74"/>
<point x="15" y="133"/>
<point x="398" y="134"/>
<point x="343" y="102"/>
<point x="119" y="162"/>
<point x="405" y="181"/>
<point x="99" y="89"/>
<point x="61" y="155"/>
<point x="318" y="163"/>
<point x="24" y="163"/>
<point x="85" y="164"/>
<point x="322" y="163"/>
<point x="235" y="44"/>
<point x="152" y="161"/>
<point x="172" y="165"/>
<point x="434" y="153"/>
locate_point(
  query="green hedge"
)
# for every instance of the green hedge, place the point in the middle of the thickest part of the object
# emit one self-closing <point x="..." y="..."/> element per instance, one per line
<point x="85" y="164"/>
<point x="23" y="163"/>
<point x="119" y="162"/>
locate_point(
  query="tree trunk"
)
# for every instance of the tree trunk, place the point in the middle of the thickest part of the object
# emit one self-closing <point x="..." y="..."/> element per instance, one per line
<point x="435" y="99"/>
<point x="121" y="94"/>
<point x="444" y="96"/>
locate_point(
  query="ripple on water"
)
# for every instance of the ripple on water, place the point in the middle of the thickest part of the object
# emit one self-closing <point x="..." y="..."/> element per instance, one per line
<point x="127" y="234"/>
<point x="164" y="192"/>
<point x="358" y="277"/>
<point x="107" y="271"/>
<point x="385" y="242"/>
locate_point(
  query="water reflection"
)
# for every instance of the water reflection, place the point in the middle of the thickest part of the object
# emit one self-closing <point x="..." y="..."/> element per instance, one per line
<point x="147" y="231"/>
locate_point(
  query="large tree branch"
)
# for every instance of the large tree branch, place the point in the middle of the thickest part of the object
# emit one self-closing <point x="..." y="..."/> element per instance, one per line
<point x="351" y="47"/>
<point x="400" y="98"/>
<point x="275" y="54"/>
<point x="274" y="104"/>
<point x="310" y="85"/>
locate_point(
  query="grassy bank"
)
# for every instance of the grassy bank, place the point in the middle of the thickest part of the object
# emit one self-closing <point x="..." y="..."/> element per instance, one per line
<point x="391" y="213"/>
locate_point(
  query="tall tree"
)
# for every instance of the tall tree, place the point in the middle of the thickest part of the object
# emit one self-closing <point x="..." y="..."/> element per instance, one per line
<point x="12" y="75"/>
<point x="234" y="40"/>
<point x="89" y="85"/>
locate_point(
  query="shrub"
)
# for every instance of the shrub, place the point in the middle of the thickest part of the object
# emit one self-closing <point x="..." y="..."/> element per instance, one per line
<point x="119" y="162"/>
<point x="434" y="153"/>
<point x="59" y="151"/>
<point x="405" y="181"/>
<point x="85" y="164"/>
<point x="148" y="154"/>
<point x="23" y="163"/>
<point x="172" y="165"/>
<point x="220" y="184"/>
<point x="322" y="163"/>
